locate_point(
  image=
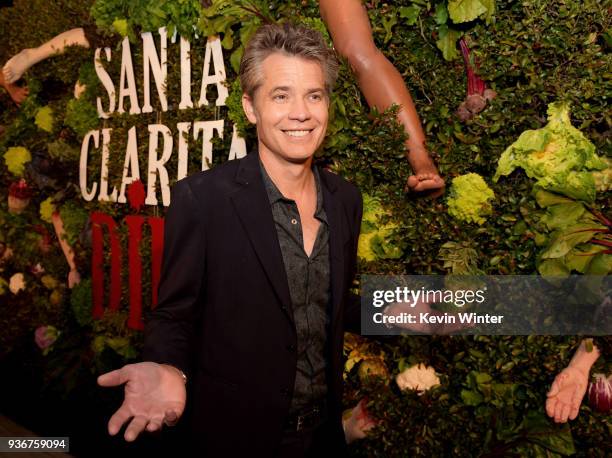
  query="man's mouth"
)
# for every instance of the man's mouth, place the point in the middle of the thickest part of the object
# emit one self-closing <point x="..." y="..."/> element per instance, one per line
<point x="297" y="133"/>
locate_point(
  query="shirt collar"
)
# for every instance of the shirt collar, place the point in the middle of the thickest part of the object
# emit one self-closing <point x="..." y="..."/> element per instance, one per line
<point x="274" y="195"/>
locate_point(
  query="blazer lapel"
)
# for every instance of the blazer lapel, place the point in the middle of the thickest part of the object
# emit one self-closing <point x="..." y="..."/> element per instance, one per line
<point x="333" y="210"/>
<point x="253" y="208"/>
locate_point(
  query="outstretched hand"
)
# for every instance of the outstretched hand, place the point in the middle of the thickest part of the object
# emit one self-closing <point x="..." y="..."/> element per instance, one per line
<point x="154" y="395"/>
<point x="566" y="393"/>
<point x="422" y="307"/>
<point x="358" y="423"/>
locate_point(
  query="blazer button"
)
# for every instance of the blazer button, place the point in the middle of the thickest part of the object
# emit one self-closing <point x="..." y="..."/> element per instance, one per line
<point x="285" y="391"/>
<point x="291" y="348"/>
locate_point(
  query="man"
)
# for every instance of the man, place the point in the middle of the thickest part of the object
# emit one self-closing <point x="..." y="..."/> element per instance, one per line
<point x="259" y="255"/>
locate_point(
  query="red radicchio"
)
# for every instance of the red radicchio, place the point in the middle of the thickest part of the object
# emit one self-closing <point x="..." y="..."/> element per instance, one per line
<point x="600" y="393"/>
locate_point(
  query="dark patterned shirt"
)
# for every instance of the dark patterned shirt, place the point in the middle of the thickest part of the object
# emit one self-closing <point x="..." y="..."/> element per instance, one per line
<point x="309" y="287"/>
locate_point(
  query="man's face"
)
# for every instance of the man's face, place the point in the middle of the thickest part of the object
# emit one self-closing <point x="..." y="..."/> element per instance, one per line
<point x="290" y="108"/>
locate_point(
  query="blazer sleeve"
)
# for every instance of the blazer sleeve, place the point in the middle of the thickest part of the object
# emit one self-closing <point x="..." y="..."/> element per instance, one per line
<point x="352" y="309"/>
<point x="168" y="335"/>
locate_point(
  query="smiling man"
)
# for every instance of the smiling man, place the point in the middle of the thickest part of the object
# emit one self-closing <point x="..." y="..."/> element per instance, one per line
<point x="259" y="255"/>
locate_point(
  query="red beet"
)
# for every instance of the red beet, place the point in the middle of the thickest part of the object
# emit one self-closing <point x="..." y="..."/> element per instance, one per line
<point x="20" y="189"/>
<point x="475" y="103"/>
<point x="477" y="93"/>
<point x="463" y="113"/>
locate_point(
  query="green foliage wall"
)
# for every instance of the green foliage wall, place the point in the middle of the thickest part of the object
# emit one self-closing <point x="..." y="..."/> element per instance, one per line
<point x="531" y="52"/>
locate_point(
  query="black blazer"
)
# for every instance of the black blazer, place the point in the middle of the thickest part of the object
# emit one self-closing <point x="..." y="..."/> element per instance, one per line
<point x="224" y="310"/>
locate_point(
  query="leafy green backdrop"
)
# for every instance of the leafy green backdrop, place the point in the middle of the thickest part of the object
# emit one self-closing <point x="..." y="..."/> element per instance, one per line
<point x="531" y="52"/>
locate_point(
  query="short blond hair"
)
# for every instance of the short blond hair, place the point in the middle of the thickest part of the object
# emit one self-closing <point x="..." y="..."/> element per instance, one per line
<point x="291" y="40"/>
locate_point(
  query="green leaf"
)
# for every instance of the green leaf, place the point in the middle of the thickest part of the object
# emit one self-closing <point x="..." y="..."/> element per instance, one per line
<point x="441" y="14"/>
<point x="471" y="398"/>
<point x="228" y="40"/>
<point x="566" y="239"/>
<point x="483" y="378"/>
<point x="600" y="265"/>
<point x="235" y="58"/>
<point x="388" y="23"/>
<point x="410" y="13"/>
<point x="562" y="215"/>
<point x="447" y="42"/>
<point x="553" y="268"/>
<point x="465" y="10"/>
<point x="579" y="259"/>
<point x="555" y="438"/>
<point x="546" y="199"/>
<point x="490" y="6"/>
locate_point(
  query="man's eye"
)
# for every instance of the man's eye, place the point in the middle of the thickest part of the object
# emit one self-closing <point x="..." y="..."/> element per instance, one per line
<point x="316" y="97"/>
<point x="280" y="97"/>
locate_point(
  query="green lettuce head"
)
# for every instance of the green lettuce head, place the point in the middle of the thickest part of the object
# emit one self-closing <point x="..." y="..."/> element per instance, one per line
<point x="376" y="241"/>
<point x="558" y="156"/>
<point x="16" y="158"/>
<point x="44" y="119"/>
<point x="469" y="198"/>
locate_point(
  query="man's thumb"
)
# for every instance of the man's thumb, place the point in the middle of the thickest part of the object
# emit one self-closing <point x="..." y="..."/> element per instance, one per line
<point x="554" y="389"/>
<point x="113" y="378"/>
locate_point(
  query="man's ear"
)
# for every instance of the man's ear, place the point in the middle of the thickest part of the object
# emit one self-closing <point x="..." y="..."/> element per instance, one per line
<point x="249" y="108"/>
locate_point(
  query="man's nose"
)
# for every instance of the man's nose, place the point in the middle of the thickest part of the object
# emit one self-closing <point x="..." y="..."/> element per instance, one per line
<point x="299" y="109"/>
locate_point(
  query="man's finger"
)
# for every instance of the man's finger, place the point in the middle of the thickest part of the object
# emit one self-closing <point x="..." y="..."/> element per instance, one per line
<point x="136" y="426"/>
<point x="118" y="419"/>
<point x="559" y="412"/>
<point x="113" y="378"/>
<point x="155" y="424"/>
<point x="574" y="412"/>
<point x="550" y="406"/>
<point x="565" y="413"/>
<point x="171" y="418"/>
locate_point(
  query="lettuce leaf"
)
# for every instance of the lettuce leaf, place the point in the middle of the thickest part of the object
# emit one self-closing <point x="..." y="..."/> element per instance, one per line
<point x="558" y="156"/>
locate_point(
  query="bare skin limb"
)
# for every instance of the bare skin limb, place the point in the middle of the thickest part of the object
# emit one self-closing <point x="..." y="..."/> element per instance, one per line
<point x="568" y="389"/>
<point x="155" y="395"/>
<point x="17" y="65"/>
<point x="17" y="93"/>
<point x="419" y="307"/>
<point x="357" y="425"/>
<point x="74" y="277"/>
<point x="381" y="84"/>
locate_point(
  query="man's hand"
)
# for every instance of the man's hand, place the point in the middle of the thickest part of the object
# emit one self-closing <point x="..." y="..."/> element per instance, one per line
<point x="416" y="309"/>
<point x="566" y="393"/>
<point x="358" y="423"/>
<point x="154" y="395"/>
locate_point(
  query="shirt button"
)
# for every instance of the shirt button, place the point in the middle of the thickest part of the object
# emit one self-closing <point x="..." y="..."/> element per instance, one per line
<point x="294" y="221"/>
